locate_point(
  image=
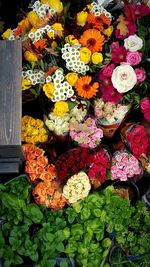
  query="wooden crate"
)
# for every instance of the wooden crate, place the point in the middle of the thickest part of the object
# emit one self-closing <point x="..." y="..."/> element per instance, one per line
<point x="10" y="106"/>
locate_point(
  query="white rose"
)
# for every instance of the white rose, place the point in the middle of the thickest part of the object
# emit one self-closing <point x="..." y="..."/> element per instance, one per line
<point x="133" y="43"/>
<point x="124" y="78"/>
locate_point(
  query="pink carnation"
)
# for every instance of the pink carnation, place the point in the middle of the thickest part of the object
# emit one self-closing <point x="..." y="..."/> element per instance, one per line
<point x="145" y="107"/>
<point x="133" y="58"/>
<point x="140" y="74"/>
<point x="108" y="70"/>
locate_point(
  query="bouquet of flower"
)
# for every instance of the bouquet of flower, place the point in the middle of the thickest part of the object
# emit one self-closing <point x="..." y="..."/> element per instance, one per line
<point x="77" y="187"/>
<point x="86" y="134"/>
<point x="37" y="166"/>
<point x="145" y="108"/>
<point x="99" y="167"/>
<point x="109" y="115"/>
<point x="136" y="139"/>
<point x="47" y="190"/>
<point x="72" y="162"/>
<point x="49" y="193"/>
<point x="124" y="166"/>
<point x="33" y="130"/>
<point x="64" y="113"/>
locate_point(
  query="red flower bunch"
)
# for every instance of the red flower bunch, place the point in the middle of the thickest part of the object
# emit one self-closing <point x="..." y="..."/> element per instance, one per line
<point x="138" y="141"/>
<point x="145" y="108"/>
<point x="37" y="166"/>
<point x="99" y="164"/>
<point x="71" y="162"/>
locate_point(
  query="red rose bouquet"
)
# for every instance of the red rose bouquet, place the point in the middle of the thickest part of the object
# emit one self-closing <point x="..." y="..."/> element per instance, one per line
<point x="99" y="165"/>
<point x="137" y="140"/>
<point x="71" y="162"/>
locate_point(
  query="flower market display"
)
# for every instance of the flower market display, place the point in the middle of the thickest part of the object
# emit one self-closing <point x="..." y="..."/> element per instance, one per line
<point x="85" y="133"/>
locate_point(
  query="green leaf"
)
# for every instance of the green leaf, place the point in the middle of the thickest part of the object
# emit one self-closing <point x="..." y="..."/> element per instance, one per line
<point x="64" y="263"/>
<point x="60" y="247"/>
<point x="2" y="187"/>
<point x="33" y="211"/>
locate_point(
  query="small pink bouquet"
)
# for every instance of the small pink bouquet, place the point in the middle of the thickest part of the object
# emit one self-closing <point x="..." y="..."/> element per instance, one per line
<point x="125" y="165"/>
<point x="86" y="134"/>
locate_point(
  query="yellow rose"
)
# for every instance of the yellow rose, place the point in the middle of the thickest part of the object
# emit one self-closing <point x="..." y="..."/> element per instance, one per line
<point x="6" y="34"/>
<point x="60" y="108"/>
<point x="30" y="56"/>
<point x="71" y="78"/>
<point x="53" y="45"/>
<point x="26" y="84"/>
<point x="81" y="18"/>
<point x="71" y="40"/>
<point x="108" y="31"/>
<point x="33" y="18"/>
<point x="85" y="55"/>
<point x="49" y="89"/>
<point x="97" y="58"/>
<point x="57" y="27"/>
<point x="55" y="4"/>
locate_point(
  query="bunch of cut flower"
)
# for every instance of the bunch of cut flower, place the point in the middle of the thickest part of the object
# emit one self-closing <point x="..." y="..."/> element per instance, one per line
<point x="136" y="139"/>
<point x="63" y="114"/>
<point x="125" y="166"/>
<point x="86" y="134"/>
<point x="33" y="130"/>
<point x="96" y="164"/>
<point x="47" y="189"/>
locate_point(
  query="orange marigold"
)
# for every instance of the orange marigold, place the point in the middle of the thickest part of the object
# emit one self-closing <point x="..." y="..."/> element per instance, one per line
<point x="85" y="88"/>
<point x="92" y="39"/>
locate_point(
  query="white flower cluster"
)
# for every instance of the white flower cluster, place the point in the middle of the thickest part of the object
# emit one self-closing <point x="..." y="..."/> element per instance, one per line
<point x="77" y="187"/>
<point x="12" y="37"/>
<point x="71" y="54"/>
<point x="61" y="124"/>
<point x="34" y="76"/>
<point x="38" y="34"/>
<point x="42" y="9"/>
<point x="63" y="90"/>
<point x="58" y="124"/>
<point x="98" y="10"/>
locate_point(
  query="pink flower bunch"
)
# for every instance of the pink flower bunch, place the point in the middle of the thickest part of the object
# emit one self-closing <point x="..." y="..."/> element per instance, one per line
<point x="86" y="134"/>
<point x="145" y="108"/>
<point x="124" y="165"/>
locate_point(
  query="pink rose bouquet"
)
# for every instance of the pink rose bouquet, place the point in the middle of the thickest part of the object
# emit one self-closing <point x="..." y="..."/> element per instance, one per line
<point x="124" y="166"/>
<point x="86" y="134"/>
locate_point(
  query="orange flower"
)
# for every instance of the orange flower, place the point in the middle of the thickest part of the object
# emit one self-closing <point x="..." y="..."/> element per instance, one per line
<point x="42" y="161"/>
<point x="46" y="176"/>
<point x="85" y="89"/>
<point x="41" y="44"/>
<point x="105" y="19"/>
<point x="50" y="71"/>
<point x="39" y="152"/>
<point x="92" y="39"/>
<point x="95" y="21"/>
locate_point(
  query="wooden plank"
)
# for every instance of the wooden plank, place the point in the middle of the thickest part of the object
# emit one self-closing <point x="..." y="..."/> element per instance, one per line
<point x="10" y="106"/>
<point x="10" y="92"/>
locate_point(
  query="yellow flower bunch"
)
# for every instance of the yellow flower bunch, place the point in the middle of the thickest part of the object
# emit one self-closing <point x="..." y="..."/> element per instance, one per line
<point x="6" y="34"/>
<point x="33" y="130"/>
<point x="60" y="108"/>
